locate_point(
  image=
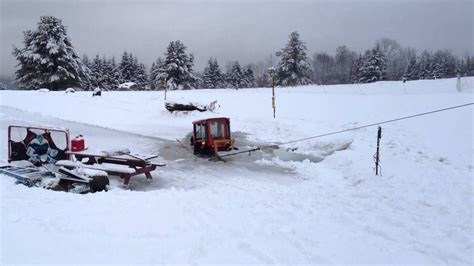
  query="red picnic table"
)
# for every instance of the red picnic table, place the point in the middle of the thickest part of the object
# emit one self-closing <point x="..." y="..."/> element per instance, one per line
<point x="115" y="164"/>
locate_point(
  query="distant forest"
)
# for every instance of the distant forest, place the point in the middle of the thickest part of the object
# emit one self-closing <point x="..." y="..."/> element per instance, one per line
<point x="48" y="60"/>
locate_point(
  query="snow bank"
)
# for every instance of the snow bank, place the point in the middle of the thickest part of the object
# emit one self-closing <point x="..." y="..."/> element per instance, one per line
<point x="128" y="86"/>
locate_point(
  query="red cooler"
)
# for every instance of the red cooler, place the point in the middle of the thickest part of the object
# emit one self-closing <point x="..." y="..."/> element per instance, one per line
<point x="78" y="143"/>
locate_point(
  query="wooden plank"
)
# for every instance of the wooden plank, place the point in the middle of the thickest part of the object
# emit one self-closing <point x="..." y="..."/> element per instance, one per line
<point x="128" y="157"/>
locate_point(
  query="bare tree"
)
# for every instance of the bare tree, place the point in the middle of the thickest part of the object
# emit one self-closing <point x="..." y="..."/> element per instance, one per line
<point x="323" y="68"/>
<point x="392" y="50"/>
<point x="343" y="62"/>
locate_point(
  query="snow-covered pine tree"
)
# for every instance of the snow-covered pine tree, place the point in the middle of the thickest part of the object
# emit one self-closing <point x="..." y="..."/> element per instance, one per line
<point x="208" y="75"/>
<point x="373" y="68"/>
<point x="212" y="77"/>
<point x="425" y="65"/>
<point x="356" y="66"/>
<point x="115" y="74"/>
<point x="466" y="67"/>
<point x="178" y="66"/>
<point x="109" y="74"/>
<point x="48" y="58"/>
<point x="135" y="67"/>
<point x="293" y="68"/>
<point x="263" y="81"/>
<point x="87" y="82"/>
<point x="97" y="72"/>
<point x="235" y="77"/>
<point x="151" y="76"/>
<point x="158" y="75"/>
<point x="439" y="70"/>
<point x="86" y="61"/>
<point x="444" y="64"/>
<point x="411" y="71"/>
<point x="363" y="67"/>
<point x="126" y="67"/>
<point x="199" y="76"/>
<point x="249" y="78"/>
<point x="141" y="76"/>
<point x="469" y="66"/>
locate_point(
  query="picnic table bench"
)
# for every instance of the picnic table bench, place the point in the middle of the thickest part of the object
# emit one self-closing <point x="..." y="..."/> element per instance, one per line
<point x="123" y="165"/>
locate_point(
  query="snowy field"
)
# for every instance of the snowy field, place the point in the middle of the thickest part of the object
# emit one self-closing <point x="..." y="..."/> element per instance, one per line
<point x="314" y="202"/>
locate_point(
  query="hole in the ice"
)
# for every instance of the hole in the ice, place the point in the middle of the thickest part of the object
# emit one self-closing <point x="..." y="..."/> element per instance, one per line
<point x="290" y="155"/>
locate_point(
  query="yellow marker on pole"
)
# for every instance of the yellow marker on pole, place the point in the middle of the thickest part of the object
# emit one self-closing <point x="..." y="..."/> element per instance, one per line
<point x="273" y="100"/>
<point x="166" y="86"/>
<point x="271" y="71"/>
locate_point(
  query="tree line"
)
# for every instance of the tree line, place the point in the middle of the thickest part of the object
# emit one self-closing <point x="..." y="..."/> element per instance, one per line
<point x="48" y="60"/>
<point x="388" y="60"/>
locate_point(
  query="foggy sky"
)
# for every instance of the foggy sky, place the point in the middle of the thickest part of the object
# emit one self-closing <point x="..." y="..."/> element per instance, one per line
<point x="247" y="31"/>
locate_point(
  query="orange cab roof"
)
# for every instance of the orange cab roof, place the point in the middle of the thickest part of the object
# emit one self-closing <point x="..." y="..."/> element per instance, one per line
<point x="210" y="119"/>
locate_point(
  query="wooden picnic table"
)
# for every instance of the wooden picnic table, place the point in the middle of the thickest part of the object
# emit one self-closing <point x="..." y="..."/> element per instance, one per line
<point x="137" y="164"/>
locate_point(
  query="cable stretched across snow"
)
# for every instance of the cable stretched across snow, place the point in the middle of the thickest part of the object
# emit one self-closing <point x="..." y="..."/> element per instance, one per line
<point x="351" y="129"/>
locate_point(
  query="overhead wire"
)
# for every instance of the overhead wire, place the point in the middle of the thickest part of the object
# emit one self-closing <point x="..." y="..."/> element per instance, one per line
<point x="350" y="129"/>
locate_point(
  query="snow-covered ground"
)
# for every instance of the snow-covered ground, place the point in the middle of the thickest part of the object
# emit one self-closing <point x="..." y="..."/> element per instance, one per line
<point x="317" y="201"/>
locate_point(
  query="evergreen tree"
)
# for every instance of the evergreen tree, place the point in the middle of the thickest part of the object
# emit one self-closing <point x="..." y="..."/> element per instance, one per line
<point x="249" y="78"/>
<point x="141" y="76"/>
<point x="235" y="77"/>
<point x="466" y="67"/>
<point x="126" y="67"/>
<point x="134" y="69"/>
<point x="158" y="75"/>
<point x="152" y="76"/>
<point x="114" y="74"/>
<point x="97" y="69"/>
<point x="212" y="77"/>
<point x="199" y="80"/>
<point x="293" y="68"/>
<point x="48" y="58"/>
<point x="425" y="65"/>
<point x="87" y="83"/>
<point x="109" y="79"/>
<point x="373" y="68"/>
<point x="411" y="71"/>
<point x="178" y="66"/>
<point x="439" y="70"/>
<point x="356" y="65"/>
<point x="263" y="81"/>
<point x="444" y="64"/>
<point x="130" y="70"/>
<point x="86" y="61"/>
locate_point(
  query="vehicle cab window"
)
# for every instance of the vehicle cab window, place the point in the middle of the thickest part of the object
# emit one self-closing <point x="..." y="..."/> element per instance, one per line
<point x="217" y="129"/>
<point x="200" y="131"/>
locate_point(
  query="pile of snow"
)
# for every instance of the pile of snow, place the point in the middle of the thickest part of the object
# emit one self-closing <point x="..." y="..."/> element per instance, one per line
<point x="43" y="90"/>
<point x="312" y="202"/>
<point x="128" y="86"/>
<point x="70" y="90"/>
<point x="97" y="92"/>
